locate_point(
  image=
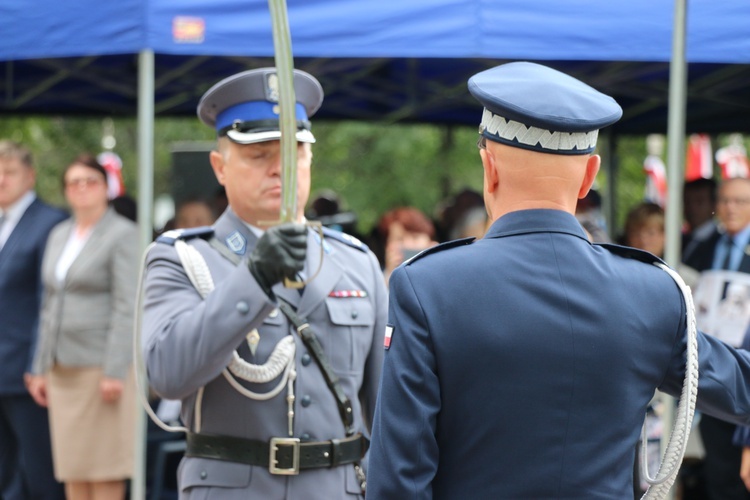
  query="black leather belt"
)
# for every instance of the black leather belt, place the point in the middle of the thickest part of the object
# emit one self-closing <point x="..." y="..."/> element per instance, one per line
<point x="286" y="456"/>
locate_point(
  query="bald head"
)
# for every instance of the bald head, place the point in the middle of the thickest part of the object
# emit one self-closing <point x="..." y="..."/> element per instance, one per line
<point x="520" y="179"/>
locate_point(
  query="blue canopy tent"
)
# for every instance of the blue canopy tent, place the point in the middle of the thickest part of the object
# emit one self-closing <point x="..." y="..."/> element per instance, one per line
<point x="384" y="60"/>
<point x="387" y="60"/>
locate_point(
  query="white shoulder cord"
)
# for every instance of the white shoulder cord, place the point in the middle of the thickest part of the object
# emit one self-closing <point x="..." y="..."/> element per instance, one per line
<point x="138" y="352"/>
<point x="675" y="451"/>
<point x="280" y="361"/>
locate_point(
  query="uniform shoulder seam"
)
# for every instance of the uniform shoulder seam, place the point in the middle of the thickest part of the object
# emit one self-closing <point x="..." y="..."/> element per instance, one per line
<point x="171" y="236"/>
<point x="345" y="238"/>
<point x="631" y="253"/>
<point x="441" y="248"/>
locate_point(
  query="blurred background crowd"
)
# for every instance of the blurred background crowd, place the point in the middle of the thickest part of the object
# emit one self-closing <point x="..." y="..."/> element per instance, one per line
<point x="398" y="202"/>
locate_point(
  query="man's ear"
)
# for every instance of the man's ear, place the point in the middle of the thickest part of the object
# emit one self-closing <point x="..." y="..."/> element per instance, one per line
<point x="491" y="177"/>
<point x="592" y="168"/>
<point x="217" y="163"/>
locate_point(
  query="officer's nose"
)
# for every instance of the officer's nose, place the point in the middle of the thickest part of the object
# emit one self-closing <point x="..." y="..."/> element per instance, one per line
<point x="275" y="166"/>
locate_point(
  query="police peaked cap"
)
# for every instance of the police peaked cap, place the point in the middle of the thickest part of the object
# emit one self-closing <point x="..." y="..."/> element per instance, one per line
<point x="245" y="107"/>
<point x="530" y="106"/>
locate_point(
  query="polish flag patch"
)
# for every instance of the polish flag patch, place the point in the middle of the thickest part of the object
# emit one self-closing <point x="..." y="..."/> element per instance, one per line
<point x="388" y="335"/>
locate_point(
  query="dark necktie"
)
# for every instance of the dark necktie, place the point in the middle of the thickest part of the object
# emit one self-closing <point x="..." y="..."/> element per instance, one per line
<point x="729" y="244"/>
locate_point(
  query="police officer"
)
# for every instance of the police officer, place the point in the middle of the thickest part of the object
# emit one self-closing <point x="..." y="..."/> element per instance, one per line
<point x="270" y="414"/>
<point x="521" y="365"/>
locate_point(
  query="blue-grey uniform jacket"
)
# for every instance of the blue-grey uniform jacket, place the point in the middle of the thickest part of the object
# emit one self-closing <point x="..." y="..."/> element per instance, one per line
<point x="521" y="366"/>
<point x="188" y="341"/>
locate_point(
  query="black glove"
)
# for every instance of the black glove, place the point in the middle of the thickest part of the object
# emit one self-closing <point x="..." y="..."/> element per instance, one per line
<point x="280" y="253"/>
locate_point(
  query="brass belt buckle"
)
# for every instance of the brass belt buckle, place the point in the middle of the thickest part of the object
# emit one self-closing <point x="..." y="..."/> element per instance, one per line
<point x="272" y="462"/>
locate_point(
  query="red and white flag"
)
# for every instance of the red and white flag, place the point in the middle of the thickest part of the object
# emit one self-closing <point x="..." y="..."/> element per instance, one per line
<point x="113" y="166"/>
<point x="656" y="180"/>
<point x="733" y="161"/>
<point x="698" y="159"/>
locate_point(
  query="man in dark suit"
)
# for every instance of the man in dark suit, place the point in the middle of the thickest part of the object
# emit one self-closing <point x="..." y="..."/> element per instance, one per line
<point x="25" y="222"/>
<point x="699" y="208"/>
<point x="726" y="250"/>
<point x="521" y="365"/>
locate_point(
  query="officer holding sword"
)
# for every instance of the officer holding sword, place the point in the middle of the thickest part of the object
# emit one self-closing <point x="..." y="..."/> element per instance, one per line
<point x="277" y="384"/>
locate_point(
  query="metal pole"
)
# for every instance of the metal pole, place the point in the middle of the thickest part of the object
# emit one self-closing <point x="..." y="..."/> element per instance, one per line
<point x="145" y="216"/>
<point x="675" y="168"/>
<point x="676" y="136"/>
<point x="609" y="197"/>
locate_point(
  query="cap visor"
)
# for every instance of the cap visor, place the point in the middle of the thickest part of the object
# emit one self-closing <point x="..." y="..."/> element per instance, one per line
<point x="270" y="135"/>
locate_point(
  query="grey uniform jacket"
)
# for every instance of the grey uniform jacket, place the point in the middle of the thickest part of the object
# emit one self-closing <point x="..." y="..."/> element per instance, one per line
<point x="188" y="341"/>
<point x="87" y="320"/>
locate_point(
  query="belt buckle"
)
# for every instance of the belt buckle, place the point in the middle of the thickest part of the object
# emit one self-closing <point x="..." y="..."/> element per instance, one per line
<point x="275" y="443"/>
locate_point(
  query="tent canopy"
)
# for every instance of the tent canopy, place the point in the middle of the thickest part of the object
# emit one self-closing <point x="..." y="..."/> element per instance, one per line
<point x="385" y="60"/>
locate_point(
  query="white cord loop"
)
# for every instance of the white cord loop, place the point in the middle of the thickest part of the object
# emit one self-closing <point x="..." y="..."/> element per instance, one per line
<point x="282" y="357"/>
<point x="138" y="353"/>
<point x="280" y="362"/>
<point x="675" y="451"/>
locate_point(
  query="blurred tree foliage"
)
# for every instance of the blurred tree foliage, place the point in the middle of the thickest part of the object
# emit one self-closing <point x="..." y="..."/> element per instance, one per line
<point x="373" y="167"/>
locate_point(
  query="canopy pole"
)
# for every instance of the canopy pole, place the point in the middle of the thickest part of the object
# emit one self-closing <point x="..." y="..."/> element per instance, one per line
<point x="676" y="137"/>
<point x="145" y="216"/>
<point x="675" y="169"/>
<point x="609" y="197"/>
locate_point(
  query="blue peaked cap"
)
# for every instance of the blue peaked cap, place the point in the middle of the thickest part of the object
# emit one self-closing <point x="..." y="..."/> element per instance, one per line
<point x="245" y="107"/>
<point x="530" y="106"/>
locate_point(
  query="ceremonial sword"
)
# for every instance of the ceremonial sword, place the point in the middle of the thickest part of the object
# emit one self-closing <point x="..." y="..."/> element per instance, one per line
<point x="282" y="44"/>
<point x="287" y="121"/>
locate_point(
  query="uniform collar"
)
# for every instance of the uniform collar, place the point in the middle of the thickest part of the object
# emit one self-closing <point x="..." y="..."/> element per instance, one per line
<point x="536" y="221"/>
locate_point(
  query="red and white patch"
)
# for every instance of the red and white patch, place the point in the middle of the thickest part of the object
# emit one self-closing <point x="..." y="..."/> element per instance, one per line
<point x="345" y="294"/>
<point x="388" y="336"/>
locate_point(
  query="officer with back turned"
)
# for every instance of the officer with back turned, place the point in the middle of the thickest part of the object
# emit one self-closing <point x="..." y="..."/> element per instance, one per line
<point x="521" y="365"/>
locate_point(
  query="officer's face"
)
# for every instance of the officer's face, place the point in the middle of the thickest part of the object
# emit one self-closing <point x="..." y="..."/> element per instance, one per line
<point x="15" y="180"/>
<point x="251" y="174"/>
<point x="733" y="207"/>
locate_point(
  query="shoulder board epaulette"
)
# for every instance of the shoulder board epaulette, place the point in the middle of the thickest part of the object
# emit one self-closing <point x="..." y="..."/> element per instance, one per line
<point x="344" y="238"/>
<point x="631" y="253"/>
<point x="440" y="248"/>
<point x="169" y="237"/>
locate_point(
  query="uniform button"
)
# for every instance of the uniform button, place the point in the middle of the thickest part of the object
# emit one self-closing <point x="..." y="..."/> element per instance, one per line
<point x="242" y="307"/>
<point x="274" y="313"/>
<point x="305" y="359"/>
<point x="204" y="474"/>
<point x="305" y="437"/>
<point x="355" y="313"/>
<point x="306" y="400"/>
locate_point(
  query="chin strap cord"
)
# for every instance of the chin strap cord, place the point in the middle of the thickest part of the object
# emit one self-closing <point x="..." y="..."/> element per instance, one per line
<point x="675" y="450"/>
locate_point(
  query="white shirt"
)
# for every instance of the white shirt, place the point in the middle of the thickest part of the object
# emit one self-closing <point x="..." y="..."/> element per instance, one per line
<point x="72" y="248"/>
<point x="13" y="214"/>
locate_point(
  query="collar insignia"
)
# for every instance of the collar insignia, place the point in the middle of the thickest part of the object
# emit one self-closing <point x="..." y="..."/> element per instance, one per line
<point x="236" y="243"/>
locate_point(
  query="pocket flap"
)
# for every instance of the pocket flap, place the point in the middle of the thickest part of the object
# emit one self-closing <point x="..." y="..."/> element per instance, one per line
<point x="350" y="311"/>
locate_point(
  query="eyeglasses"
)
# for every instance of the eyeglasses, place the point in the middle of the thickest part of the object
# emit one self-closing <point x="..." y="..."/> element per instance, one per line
<point x="482" y="142"/>
<point x="82" y="182"/>
<point x="734" y="201"/>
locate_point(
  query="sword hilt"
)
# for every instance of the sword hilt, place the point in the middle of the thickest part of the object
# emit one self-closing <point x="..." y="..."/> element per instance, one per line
<point x="318" y="228"/>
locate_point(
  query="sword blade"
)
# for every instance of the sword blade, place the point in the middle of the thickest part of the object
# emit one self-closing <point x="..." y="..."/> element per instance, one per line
<point x="282" y="44"/>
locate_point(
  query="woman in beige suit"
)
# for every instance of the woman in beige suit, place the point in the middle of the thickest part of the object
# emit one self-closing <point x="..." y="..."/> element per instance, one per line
<point x="83" y="358"/>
